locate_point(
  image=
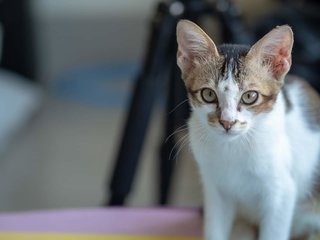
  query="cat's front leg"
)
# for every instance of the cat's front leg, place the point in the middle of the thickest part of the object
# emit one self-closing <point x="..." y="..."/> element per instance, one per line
<point x="219" y="216"/>
<point x="278" y="207"/>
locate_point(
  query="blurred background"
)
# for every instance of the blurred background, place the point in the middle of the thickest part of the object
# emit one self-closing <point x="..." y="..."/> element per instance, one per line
<point x="66" y="78"/>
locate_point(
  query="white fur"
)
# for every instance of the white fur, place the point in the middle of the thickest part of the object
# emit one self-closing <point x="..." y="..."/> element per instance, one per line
<point x="261" y="172"/>
<point x="228" y="92"/>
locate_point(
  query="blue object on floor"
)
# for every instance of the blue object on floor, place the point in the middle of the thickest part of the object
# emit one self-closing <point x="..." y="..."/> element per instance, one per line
<point x="97" y="85"/>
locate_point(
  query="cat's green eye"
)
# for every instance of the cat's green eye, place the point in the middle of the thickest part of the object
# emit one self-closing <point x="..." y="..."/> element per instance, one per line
<point x="208" y="95"/>
<point x="249" y="97"/>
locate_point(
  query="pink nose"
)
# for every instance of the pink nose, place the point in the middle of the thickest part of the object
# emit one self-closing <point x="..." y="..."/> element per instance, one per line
<point x="226" y="124"/>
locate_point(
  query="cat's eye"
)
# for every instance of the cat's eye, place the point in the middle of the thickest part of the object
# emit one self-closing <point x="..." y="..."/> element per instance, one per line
<point x="208" y="95"/>
<point x="249" y="97"/>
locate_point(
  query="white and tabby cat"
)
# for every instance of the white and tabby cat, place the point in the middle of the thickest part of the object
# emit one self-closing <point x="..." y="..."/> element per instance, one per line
<point x="255" y="135"/>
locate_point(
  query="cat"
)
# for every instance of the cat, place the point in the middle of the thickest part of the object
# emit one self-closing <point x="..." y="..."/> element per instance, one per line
<point x="254" y="132"/>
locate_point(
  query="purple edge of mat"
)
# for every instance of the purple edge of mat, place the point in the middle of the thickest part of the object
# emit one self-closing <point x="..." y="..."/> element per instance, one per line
<point x="144" y="221"/>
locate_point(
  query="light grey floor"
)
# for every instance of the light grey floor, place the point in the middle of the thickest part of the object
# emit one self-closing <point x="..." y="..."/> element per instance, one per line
<point x="65" y="154"/>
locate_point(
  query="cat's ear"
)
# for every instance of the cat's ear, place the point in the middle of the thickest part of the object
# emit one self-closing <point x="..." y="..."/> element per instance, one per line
<point x="274" y="50"/>
<point x="193" y="45"/>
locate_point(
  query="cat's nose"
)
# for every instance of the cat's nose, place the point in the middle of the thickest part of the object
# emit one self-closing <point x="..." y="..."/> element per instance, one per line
<point x="227" y="124"/>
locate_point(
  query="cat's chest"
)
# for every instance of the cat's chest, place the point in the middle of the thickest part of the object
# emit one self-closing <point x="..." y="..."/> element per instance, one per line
<point x="231" y="174"/>
<point x="241" y="170"/>
<point x="224" y="159"/>
<point x="236" y="174"/>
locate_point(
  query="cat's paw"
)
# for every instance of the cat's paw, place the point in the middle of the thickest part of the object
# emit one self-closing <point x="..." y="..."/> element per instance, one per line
<point x="242" y="231"/>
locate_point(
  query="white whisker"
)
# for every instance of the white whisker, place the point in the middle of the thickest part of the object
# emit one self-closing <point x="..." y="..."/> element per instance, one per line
<point x="182" y="145"/>
<point x="176" y="107"/>
<point x="177" y="143"/>
<point x="178" y="130"/>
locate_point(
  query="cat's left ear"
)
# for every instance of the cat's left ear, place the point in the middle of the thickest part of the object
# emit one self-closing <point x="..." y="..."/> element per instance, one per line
<point x="274" y="50"/>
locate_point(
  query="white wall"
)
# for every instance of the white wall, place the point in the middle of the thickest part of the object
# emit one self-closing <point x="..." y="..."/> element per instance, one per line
<point x="71" y="33"/>
<point x="93" y="8"/>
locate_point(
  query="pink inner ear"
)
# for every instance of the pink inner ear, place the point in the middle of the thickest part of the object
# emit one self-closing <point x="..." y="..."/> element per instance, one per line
<point x="281" y="62"/>
<point x="283" y="52"/>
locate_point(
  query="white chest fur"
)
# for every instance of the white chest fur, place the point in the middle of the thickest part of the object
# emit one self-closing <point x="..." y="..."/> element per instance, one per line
<point x="273" y="167"/>
<point x="242" y="171"/>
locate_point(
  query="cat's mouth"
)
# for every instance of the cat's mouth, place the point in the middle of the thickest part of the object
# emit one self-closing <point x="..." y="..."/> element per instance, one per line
<point x="224" y="128"/>
<point x="235" y="129"/>
<point x="230" y="132"/>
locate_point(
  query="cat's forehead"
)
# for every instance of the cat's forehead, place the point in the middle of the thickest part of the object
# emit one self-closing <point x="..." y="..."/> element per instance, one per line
<point x="233" y="51"/>
<point x="215" y="70"/>
<point x="233" y="62"/>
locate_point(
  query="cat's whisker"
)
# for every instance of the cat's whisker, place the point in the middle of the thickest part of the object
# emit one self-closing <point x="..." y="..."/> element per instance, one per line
<point x="246" y="139"/>
<point x="182" y="145"/>
<point x="182" y="128"/>
<point x="182" y="142"/>
<point x="250" y="138"/>
<point x="243" y="140"/>
<point x="177" y="143"/>
<point x="176" y="107"/>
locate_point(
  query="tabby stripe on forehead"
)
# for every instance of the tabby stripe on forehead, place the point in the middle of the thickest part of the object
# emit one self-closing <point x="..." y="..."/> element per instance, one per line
<point x="233" y="56"/>
<point x="231" y="67"/>
<point x="223" y="69"/>
<point x="227" y="68"/>
<point x="237" y="71"/>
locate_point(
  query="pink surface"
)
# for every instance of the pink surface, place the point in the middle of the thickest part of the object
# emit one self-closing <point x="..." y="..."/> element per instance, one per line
<point x="161" y="221"/>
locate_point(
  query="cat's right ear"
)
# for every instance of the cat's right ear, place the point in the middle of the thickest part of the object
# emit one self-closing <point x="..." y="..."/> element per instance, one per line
<point x="193" y="45"/>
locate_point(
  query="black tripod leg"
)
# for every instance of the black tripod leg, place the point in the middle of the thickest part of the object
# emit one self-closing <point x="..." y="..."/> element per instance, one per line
<point x="177" y="112"/>
<point x="132" y="140"/>
<point x="138" y="118"/>
<point x="167" y="151"/>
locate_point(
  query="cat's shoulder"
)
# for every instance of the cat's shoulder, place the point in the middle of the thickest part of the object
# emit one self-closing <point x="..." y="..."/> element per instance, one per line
<point x="300" y="94"/>
<point x="302" y="88"/>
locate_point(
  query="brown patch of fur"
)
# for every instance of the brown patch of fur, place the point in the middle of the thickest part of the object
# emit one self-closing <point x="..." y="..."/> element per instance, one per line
<point x="265" y="105"/>
<point x="258" y="77"/>
<point x="203" y="74"/>
<point x="194" y="100"/>
<point x="213" y="118"/>
<point x="243" y="123"/>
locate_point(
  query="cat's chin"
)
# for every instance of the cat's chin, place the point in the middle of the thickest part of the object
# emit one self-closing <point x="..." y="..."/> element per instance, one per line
<point x="232" y="134"/>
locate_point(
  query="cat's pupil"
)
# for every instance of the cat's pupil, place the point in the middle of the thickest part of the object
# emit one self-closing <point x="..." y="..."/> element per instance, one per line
<point x="249" y="97"/>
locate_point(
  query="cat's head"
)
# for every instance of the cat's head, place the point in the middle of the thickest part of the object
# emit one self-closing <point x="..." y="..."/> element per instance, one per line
<point x="229" y="86"/>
